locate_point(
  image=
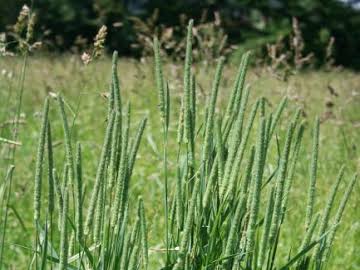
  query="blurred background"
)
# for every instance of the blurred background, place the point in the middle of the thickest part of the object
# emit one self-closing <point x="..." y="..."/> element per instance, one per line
<point x="306" y="50"/>
<point x="323" y="32"/>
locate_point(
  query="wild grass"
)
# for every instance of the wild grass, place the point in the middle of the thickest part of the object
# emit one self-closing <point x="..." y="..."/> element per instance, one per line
<point x="227" y="185"/>
<point x="217" y="203"/>
<point x="103" y="239"/>
<point x="26" y="21"/>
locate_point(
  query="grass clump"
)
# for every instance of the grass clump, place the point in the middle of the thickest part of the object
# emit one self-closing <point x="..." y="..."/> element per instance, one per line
<point x="216" y="217"/>
<point x="104" y="238"/>
<point x="219" y="218"/>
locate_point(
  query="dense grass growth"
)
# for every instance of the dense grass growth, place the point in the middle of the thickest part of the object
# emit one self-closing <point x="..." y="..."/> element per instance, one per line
<point x="227" y="189"/>
<point x="100" y="237"/>
<point x="214" y="218"/>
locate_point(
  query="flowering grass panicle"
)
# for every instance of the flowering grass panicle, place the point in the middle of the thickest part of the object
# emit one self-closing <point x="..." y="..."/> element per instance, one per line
<point x="227" y="183"/>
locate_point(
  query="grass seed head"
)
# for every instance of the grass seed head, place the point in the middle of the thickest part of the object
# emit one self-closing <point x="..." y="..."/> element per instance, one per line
<point x="39" y="162"/>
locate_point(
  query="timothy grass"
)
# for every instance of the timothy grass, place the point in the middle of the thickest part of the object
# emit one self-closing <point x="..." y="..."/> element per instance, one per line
<point x="100" y="240"/>
<point x="221" y="231"/>
<point x="264" y="212"/>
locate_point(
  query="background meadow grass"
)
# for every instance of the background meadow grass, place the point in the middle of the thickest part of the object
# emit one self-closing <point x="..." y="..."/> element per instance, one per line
<point x="83" y="88"/>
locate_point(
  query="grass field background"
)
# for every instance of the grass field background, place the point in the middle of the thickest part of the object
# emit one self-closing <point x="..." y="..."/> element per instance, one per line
<point x="83" y="89"/>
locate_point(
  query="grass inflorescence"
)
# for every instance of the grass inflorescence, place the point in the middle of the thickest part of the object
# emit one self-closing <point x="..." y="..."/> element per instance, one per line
<point x="228" y="205"/>
<point x="91" y="231"/>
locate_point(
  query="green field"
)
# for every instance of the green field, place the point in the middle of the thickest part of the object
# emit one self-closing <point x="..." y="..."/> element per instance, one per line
<point x="83" y="89"/>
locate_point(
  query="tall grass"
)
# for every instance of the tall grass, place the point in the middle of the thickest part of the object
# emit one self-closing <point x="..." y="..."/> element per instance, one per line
<point x="228" y="206"/>
<point x="222" y="220"/>
<point x="104" y="238"/>
<point x="27" y="23"/>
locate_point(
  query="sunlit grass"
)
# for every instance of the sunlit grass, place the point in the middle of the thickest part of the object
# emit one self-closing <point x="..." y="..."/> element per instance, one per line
<point x="83" y="87"/>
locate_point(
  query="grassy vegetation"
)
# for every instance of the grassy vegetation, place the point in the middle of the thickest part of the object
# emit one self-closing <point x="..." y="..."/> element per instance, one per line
<point x="84" y="88"/>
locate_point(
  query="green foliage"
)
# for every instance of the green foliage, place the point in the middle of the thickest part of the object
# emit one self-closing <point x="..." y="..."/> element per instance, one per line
<point x="224" y="222"/>
<point x="71" y="24"/>
<point x="211" y="221"/>
<point x="105" y="238"/>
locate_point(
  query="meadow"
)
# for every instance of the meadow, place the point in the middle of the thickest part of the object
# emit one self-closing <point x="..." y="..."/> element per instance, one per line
<point x="333" y="96"/>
